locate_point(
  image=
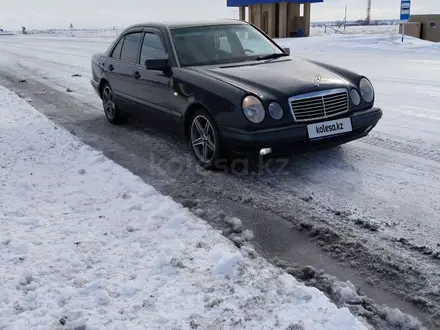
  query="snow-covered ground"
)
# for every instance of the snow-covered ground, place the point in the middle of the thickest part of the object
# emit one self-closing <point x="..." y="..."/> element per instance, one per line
<point x="85" y="243"/>
<point x="368" y="44"/>
<point x="398" y="165"/>
<point x="384" y="188"/>
<point x="112" y="32"/>
<point x="370" y="29"/>
<point x="408" y="90"/>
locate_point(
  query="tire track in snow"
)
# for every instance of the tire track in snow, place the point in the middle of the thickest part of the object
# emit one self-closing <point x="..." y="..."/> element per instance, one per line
<point x="403" y="147"/>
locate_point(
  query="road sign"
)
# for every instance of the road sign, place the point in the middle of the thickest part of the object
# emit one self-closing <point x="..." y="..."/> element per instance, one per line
<point x="405" y="10"/>
<point x="405" y="13"/>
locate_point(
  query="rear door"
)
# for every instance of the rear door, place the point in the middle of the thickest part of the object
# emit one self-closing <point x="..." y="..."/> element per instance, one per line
<point x="128" y="64"/>
<point x="113" y="67"/>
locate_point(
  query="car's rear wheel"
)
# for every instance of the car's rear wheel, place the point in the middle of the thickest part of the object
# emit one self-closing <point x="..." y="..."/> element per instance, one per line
<point x="204" y="140"/>
<point x="111" y="111"/>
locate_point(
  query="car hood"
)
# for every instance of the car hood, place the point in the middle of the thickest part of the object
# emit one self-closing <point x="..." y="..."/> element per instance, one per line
<point x="289" y="77"/>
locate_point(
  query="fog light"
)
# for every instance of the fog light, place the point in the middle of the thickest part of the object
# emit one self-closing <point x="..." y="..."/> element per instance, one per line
<point x="265" y="151"/>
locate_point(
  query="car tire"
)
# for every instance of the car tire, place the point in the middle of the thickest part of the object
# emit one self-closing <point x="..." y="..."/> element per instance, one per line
<point x="112" y="112"/>
<point x="204" y="140"/>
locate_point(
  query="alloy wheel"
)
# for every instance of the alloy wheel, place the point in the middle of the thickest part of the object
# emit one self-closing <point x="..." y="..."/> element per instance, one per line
<point x="108" y="101"/>
<point x="203" y="139"/>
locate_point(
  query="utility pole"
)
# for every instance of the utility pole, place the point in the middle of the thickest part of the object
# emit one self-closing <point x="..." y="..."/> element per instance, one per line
<point x="345" y="19"/>
<point x="368" y="18"/>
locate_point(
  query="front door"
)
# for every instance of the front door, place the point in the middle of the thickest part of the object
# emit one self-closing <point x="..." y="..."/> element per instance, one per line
<point x="154" y="87"/>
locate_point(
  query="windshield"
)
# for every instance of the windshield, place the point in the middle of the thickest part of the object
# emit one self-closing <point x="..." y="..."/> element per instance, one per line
<point x="204" y="45"/>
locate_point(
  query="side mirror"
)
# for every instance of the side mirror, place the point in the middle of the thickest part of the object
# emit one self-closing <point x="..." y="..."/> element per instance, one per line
<point x="157" y="64"/>
<point x="287" y="50"/>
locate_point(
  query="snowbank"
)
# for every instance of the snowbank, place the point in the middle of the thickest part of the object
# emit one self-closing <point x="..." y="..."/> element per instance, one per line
<point x="86" y="244"/>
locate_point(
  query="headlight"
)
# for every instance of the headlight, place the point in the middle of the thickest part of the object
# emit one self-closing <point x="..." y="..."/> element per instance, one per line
<point x="355" y="97"/>
<point x="275" y="110"/>
<point x="367" y="90"/>
<point x="253" y="109"/>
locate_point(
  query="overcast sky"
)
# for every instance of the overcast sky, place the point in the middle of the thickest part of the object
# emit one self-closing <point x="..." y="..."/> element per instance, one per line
<point x="39" y="14"/>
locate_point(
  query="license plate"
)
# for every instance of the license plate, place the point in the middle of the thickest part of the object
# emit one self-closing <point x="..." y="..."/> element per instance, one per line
<point x="328" y="128"/>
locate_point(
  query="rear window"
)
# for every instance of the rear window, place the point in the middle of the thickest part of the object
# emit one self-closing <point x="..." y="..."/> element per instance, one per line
<point x="117" y="50"/>
<point x="130" y="48"/>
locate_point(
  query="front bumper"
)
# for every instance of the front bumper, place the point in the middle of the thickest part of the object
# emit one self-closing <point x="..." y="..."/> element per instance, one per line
<point x="294" y="139"/>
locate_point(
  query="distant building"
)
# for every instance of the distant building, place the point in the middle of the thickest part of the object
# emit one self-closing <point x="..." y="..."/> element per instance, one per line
<point x="278" y="18"/>
<point x="426" y="27"/>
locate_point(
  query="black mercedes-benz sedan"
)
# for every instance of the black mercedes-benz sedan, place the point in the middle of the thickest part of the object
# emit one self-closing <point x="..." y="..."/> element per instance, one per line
<point x="230" y="89"/>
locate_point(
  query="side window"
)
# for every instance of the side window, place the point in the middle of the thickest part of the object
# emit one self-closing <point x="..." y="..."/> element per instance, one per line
<point x="117" y="50"/>
<point x="224" y="44"/>
<point x="130" y="48"/>
<point x="152" y="48"/>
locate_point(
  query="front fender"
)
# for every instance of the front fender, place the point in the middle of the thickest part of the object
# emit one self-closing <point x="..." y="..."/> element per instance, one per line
<point x="221" y="99"/>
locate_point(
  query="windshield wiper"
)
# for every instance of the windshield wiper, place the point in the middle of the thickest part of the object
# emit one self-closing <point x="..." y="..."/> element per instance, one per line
<point x="270" y="56"/>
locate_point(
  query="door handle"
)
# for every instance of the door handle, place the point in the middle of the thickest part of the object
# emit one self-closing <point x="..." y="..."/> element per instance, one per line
<point x="111" y="67"/>
<point x="136" y="75"/>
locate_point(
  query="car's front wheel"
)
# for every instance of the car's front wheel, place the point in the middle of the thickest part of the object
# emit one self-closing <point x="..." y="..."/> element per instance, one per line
<point x="111" y="111"/>
<point x="204" y="140"/>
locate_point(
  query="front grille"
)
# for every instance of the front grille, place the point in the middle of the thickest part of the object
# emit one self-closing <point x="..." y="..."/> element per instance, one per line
<point x="319" y="105"/>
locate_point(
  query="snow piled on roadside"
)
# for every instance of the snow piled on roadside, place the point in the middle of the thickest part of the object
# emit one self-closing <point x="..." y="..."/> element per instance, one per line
<point x="85" y="244"/>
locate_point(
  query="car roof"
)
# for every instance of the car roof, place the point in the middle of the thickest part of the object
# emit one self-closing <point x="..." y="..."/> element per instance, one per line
<point x="187" y="24"/>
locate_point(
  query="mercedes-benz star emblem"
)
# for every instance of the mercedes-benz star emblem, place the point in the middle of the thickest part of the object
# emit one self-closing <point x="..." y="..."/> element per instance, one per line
<point x="317" y="80"/>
